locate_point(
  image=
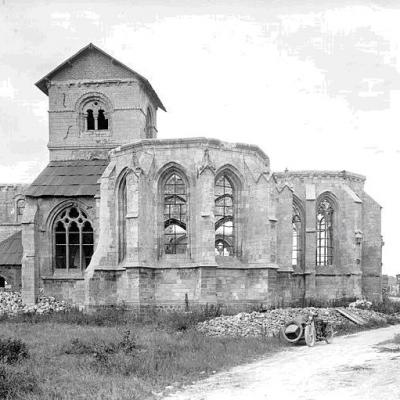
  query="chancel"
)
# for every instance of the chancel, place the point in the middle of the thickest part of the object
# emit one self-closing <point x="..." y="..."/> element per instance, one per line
<point x="119" y="216"/>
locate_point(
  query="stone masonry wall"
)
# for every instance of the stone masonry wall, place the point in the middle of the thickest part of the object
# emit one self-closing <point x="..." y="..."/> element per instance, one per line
<point x="123" y="98"/>
<point x="9" y="221"/>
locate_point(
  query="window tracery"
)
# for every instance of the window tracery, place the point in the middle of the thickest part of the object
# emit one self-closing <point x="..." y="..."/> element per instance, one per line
<point x="325" y="214"/>
<point x="175" y="215"/>
<point x="224" y="225"/>
<point x="73" y="240"/>
<point x="122" y="212"/>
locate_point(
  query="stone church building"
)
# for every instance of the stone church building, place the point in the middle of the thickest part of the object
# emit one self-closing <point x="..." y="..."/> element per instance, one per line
<point x="119" y="216"/>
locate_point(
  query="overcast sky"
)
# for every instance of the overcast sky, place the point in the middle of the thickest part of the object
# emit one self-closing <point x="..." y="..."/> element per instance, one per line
<point x="314" y="83"/>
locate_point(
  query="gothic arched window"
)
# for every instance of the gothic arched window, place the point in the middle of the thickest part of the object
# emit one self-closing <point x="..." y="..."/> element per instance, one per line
<point x="297" y="238"/>
<point x="122" y="211"/>
<point x="73" y="240"/>
<point x="224" y="218"/>
<point x="175" y="214"/>
<point x="325" y="212"/>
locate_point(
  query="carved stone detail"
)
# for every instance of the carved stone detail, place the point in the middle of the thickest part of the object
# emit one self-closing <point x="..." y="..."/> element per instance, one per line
<point x="206" y="163"/>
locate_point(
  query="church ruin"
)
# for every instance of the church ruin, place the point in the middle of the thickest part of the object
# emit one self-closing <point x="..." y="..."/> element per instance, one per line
<point x="119" y="216"/>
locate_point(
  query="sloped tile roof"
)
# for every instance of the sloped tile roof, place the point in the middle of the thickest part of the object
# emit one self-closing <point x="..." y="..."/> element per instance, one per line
<point x="11" y="250"/>
<point x="68" y="179"/>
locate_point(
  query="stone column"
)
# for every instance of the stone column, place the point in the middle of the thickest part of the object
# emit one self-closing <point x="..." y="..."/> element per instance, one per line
<point x="132" y="220"/>
<point x="310" y="243"/>
<point x="285" y="230"/>
<point x="30" y="262"/>
<point x="204" y="236"/>
<point x="96" y="121"/>
<point x="258" y="235"/>
<point x="204" y="224"/>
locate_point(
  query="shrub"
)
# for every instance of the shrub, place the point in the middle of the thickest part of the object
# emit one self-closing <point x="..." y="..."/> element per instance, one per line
<point x="99" y="348"/>
<point x="182" y="321"/>
<point x="128" y="342"/>
<point x="12" y="350"/>
<point x="14" y="384"/>
<point x="386" y="306"/>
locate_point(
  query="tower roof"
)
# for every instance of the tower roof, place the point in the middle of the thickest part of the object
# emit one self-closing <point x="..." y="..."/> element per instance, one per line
<point x="42" y="83"/>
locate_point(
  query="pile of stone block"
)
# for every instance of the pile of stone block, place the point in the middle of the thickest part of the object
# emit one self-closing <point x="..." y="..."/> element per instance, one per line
<point x="11" y="304"/>
<point x="270" y="322"/>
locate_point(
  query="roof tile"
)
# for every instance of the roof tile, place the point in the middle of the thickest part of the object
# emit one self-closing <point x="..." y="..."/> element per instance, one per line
<point x="68" y="179"/>
<point x="11" y="250"/>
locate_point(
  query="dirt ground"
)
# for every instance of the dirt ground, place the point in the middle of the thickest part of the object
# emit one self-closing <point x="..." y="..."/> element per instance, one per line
<point x="357" y="366"/>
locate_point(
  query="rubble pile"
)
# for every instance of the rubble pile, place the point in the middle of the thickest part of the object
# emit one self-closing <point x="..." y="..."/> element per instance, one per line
<point x="11" y="304"/>
<point x="269" y="323"/>
<point x="369" y="315"/>
<point x="261" y="324"/>
<point x="361" y="304"/>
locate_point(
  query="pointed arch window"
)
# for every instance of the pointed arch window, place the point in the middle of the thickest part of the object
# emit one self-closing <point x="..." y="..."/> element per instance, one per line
<point x="175" y="215"/>
<point x="150" y="128"/>
<point x="325" y="213"/>
<point x="297" y="238"/>
<point x="122" y="212"/>
<point x="224" y="225"/>
<point x="73" y="240"/>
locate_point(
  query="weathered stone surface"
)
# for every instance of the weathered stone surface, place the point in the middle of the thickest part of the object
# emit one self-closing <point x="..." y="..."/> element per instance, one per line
<point x="259" y="269"/>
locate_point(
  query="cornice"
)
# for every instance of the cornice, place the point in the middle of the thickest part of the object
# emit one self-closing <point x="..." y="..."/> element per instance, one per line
<point x="346" y="175"/>
<point x="199" y="142"/>
<point x="92" y="82"/>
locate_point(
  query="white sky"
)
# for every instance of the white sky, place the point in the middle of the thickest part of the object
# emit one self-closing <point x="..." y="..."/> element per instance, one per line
<point x="316" y="84"/>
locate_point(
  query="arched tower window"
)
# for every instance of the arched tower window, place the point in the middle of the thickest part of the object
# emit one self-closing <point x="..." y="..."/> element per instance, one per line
<point x="20" y="206"/>
<point x="150" y="128"/>
<point x="122" y="211"/>
<point x="102" y="122"/>
<point x="89" y="120"/>
<point x="297" y="237"/>
<point x="73" y="240"/>
<point x="175" y="215"/>
<point x="224" y="217"/>
<point x="325" y="214"/>
<point x="94" y="110"/>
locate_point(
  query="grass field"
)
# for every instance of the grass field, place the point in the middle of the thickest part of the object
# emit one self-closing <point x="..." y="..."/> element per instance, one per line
<point x="110" y="354"/>
<point x="129" y="360"/>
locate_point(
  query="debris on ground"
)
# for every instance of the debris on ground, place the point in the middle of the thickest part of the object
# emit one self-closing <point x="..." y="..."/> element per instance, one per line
<point x="351" y="315"/>
<point x="270" y="322"/>
<point x="361" y="303"/>
<point x="11" y="304"/>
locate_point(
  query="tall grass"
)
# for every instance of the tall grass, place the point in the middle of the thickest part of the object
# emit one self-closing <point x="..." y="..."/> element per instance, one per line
<point x="124" y="356"/>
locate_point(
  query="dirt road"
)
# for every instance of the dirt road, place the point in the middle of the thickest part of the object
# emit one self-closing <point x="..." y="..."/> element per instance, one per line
<point x="352" y="367"/>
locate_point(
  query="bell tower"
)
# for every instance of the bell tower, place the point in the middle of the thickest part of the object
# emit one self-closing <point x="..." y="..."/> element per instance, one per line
<point x="97" y="103"/>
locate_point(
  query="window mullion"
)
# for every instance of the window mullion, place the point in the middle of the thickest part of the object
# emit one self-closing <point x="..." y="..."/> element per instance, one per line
<point x="67" y="247"/>
<point x="80" y="248"/>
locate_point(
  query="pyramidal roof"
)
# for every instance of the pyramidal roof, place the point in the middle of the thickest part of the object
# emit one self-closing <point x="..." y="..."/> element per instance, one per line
<point x="42" y="83"/>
